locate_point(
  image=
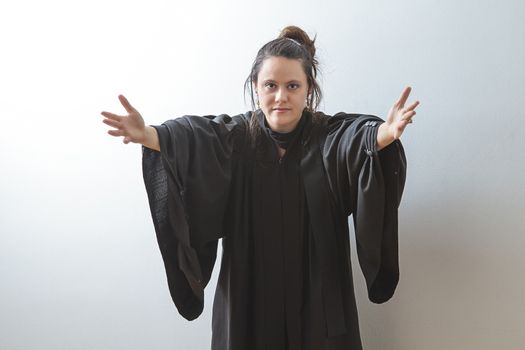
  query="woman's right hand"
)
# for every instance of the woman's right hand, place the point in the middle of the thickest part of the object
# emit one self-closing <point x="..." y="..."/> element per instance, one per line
<point x="130" y="126"/>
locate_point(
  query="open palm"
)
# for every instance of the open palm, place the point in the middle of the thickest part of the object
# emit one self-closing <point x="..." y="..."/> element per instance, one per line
<point x="400" y="116"/>
<point x="130" y="126"/>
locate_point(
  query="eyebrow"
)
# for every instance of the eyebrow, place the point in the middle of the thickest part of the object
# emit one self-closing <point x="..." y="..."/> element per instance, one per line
<point x="288" y="82"/>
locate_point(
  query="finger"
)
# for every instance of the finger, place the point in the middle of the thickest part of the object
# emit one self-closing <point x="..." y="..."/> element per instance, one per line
<point x="129" y="108"/>
<point x="404" y="96"/>
<point x="412" y="106"/>
<point x="116" y="132"/>
<point x="112" y="116"/>
<point x="408" y="115"/>
<point x="126" y="140"/>
<point x="113" y="123"/>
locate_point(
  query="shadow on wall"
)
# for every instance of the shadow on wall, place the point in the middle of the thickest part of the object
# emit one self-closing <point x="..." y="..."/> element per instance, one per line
<point x="460" y="262"/>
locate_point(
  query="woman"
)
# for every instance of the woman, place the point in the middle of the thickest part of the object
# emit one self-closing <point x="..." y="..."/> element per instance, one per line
<point x="277" y="185"/>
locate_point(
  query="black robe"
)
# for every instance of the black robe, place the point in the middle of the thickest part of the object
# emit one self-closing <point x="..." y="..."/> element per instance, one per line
<point x="285" y="280"/>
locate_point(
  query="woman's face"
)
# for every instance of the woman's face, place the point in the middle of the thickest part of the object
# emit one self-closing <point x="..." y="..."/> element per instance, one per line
<point x="282" y="89"/>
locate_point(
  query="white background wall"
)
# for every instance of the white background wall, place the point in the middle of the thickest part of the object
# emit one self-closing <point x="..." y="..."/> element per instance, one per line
<point x="79" y="264"/>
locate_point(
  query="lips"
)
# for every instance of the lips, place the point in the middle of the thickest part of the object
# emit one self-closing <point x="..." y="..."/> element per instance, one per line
<point x="281" y="109"/>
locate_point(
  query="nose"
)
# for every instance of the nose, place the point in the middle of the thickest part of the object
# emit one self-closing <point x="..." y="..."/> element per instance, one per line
<point x="281" y="95"/>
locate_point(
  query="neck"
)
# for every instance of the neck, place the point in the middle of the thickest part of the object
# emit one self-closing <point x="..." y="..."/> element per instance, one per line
<point x="282" y="139"/>
<point x="281" y="129"/>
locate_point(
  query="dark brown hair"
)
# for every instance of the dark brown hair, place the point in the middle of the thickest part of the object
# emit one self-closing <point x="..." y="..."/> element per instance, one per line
<point x="292" y="43"/>
<point x="299" y="47"/>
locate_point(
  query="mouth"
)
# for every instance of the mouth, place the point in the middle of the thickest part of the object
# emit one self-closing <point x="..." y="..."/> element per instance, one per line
<point x="281" y="109"/>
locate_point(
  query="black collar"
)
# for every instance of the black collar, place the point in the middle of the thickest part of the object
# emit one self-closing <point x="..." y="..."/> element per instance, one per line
<point x="283" y="140"/>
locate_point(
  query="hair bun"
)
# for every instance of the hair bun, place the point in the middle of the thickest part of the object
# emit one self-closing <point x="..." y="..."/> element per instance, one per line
<point x="299" y="35"/>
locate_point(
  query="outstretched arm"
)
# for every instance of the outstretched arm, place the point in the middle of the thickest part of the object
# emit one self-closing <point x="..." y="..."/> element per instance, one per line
<point x="398" y="118"/>
<point x="131" y="126"/>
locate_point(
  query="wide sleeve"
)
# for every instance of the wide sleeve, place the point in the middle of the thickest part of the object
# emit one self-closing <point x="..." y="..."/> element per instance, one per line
<point x="368" y="184"/>
<point x="187" y="183"/>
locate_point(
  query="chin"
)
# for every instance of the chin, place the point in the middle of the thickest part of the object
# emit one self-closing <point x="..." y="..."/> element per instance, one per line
<point x="281" y="124"/>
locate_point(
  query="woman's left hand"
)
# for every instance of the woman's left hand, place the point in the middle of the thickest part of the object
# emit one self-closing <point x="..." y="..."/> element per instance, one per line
<point x="400" y="116"/>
